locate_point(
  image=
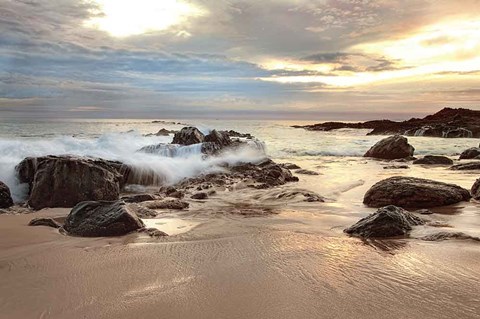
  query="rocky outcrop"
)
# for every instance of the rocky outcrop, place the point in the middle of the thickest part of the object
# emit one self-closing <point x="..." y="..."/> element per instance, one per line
<point x="64" y="181"/>
<point x="49" y="222"/>
<point x="472" y="166"/>
<point x="433" y="160"/>
<point x="101" y="219"/>
<point x="5" y="197"/>
<point x="470" y="153"/>
<point x="411" y="192"/>
<point x="393" y="147"/>
<point x="188" y="136"/>
<point x="447" y="123"/>
<point x="388" y="221"/>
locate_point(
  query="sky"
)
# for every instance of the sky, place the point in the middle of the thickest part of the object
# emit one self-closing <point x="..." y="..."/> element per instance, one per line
<point x="278" y="59"/>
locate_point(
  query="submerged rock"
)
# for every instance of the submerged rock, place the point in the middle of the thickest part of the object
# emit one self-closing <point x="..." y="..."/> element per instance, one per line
<point x="472" y="166"/>
<point x="199" y="195"/>
<point x="440" y="236"/>
<point x="411" y="192"/>
<point x="188" y="136"/>
<point x="102" y="219"/>
<point x="434" y="160"/>
<point x="5" y="197"/>
<point x="290" y="166"/>
<point x="392" y="147"/>
<point x="306" y="172"/>
<point x="50" y="222"/>
<point x="388" y="221"/>
<point x="470" y="153"/>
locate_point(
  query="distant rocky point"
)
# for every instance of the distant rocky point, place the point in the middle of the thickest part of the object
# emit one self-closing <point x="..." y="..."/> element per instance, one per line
<point x="448" y="123"/>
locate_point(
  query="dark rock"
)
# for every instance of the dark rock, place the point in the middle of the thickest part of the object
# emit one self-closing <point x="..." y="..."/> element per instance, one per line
<point x="102" y="219"/>
<point x="424" y="212"/>
<point x="392" y="147"/>
<point x="389" y="221"/>
<point x="440" y="236"/>
<point x="411" y="192"/>
<point x="289" y="166"/>
<point x="161" y="132"/>
<point x="447" y="123"/>
<point x="434" y="160"/>
<point x="470" y="153"/>
<point x="166" y="204"/>
<point x="188" y="136"/>
<point x="222" y="139"/>
<point x="233" y="133"/>
<point x="200" y="195"/>
<point x="64" y="181"/>
<point x="50" y="222"/>
<point x="139" y="198"/>
<point x="153" y="232"/>
<point x="306" y="172"/>
<point x="396" y="167"/>
<point x="473" y="166"/>
<point x="475" y="190"/>
<point x="5" y="196"/>
<point x="142" y="212"/>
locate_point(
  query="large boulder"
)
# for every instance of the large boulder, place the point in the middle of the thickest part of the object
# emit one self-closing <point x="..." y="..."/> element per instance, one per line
<point x="475" y="190"/>
<point x="393" y="147"/>
<point x="388" y="221"/>
<point x="188" y="136"/>
<point x="470" y="153"/>
<point x="411" y="192"/>
<point x="434" y="160"/>
<point x="5" y="196"/>
<point x="102" y="219"/>
<point x="64" y="181"/>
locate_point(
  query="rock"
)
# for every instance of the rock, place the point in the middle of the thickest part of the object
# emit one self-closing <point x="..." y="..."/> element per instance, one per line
<point x="161" y="132"/>
<point x="5" y="197"/>
<point x="447" y="123"/>
<point x="411" y="192"/>
<point x="153" y="232"/>
<point x="434" y="160"/>
<point x="396" y="167"/>
<point x="233" y="133"/>
<point x="188" y="136"/>
<point x="289" y="166"/>
<point x="471" y="153"/>
<point x="102" y="219"/>
<point x="200" y="195"/>
<point x="142" y="212"/>
<point x="50" y="222"/>
<point x="139" y="198"/>
<point x="64" y="181"/>
<point x="473" y="166"/>
<point x="449" y="235"/>
<point x="306" y="172"/>
<point x="424" y="212"/>
<point x="222" y="139"/>
<point x="392" y="147"/>
<point x="388" y="221"/>
<point x="475" y="190"/>
<point x="166" y="204"/>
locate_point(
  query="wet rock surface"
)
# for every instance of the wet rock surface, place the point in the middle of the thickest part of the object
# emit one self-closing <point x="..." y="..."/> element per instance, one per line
<point x="470" y="153"/>
<point x="138" y="198"/>
<point x="306" y="172"/>
<point x="199" y="195"/>
<point x="475" y="190"/>
<point x="102" y="219"/>
<point x="389" y="221"/>
<point x="440" y="236"/>
<point x="434" y="160"/>
<point x="188" y="136"/>
<point x="49" y="222"/>
<point x="411" y="192"/>
<point x="5" y="196"/>
<point x="166" y="204"/>
<point x="472" y="166"/>
<point x="393" y="147"/>
<point x="447" y="123"/>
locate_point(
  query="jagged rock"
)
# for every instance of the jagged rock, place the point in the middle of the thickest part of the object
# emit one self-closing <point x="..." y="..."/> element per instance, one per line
<point x="166" y="204"/>
<point x="475" y="190"/>
<point x="434" y="160"/>
<point x="411" y="192"/>
<point x="388" y="221"/>
<point x="50" y="222"/>
<point x="466" y="166"/>
<point x="139" y="198"/>
<point x="306" y="172"/>
<point x="188" y="136"/>
<point x="64" y="181"/>
<point x="470" y="153"/>
<point x="102" y="219"/>
<point x="5" y="196"/>
<point x="199" y="195"/>
<point x="290" y="166"/>
<point x="392" y="147"/>
<point x="221" y="139"/>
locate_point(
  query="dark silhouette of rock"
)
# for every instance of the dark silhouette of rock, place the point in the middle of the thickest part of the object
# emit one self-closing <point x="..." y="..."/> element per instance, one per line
<point x="188" y="136"/>
<point x="5" y="197"/>
<point x="470" y="153"/>
<point x="161" y="132"/>
<point x="388" y="221"/>
<point x="102" y="219"/>
<point x="64" y="181"/>
<point x="306" y="172"/>
<point x="411" y="192"/>
<point x="448" y="123"/>
<point x="166" y="204"/>
<point x="49" y="222"/>
<point x="392" y="147"/>
<point x="475" y="190"/>
<point x="221" y="139"/>
<point x="472" y="166"/>
<point x="434" y="160"/>
<point x="290" y="166"/>
<point x="139" y="198"/>
<point x="396" y="167"/>
<point x="199" y="195"/>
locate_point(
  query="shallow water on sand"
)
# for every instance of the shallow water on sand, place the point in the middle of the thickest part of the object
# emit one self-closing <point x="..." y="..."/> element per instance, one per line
<point x="243" y="253"/>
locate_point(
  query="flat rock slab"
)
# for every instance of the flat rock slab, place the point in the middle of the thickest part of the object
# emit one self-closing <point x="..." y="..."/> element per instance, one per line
<point x="411" y="192"/>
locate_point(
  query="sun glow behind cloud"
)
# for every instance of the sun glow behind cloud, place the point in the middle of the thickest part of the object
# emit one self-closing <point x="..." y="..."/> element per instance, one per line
<point x="122" y="18"/>
<point x="442" y="48"/>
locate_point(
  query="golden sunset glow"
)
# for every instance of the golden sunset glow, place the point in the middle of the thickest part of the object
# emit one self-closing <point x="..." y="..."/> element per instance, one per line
<point x="121" y="18"/>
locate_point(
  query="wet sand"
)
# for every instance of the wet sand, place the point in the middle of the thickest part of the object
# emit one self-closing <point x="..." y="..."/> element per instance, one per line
<point x="233" y="268"/>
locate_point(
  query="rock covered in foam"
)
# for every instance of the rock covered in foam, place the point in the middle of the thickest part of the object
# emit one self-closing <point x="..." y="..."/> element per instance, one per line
<point x="393" y="147"/>
<point x="5" y="196"/>
<point x="102" y="219"/>
<point x="388" y="221"/>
